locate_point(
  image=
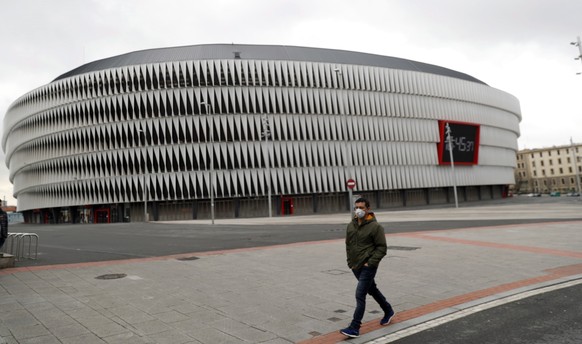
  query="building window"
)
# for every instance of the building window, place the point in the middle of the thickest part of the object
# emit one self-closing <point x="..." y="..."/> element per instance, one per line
<point x="533" y="164"/>
<point x="569" y="169"/>
<point x="535" y="173"/>
<point x="552" y="171"/>
<point x="563" y="181"/>
<point x="569" y="160"/>
<point x="542" y="163"/>
<point x="549" y="153"/>
<point x="561" y="171"/>
<point x="559" y="161"/>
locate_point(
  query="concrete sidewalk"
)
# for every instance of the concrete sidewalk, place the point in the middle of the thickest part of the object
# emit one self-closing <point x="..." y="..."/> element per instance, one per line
<point x="290" y="293"/>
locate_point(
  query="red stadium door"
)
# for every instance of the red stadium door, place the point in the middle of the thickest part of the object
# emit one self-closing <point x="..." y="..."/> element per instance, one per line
<point x="287" y="206"/>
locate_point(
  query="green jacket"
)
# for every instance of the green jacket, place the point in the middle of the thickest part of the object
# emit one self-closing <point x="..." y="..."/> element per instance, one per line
<point x="365" y="243"/>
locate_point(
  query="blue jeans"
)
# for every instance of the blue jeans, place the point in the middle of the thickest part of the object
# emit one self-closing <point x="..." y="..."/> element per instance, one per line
<point x="367" y="285"/>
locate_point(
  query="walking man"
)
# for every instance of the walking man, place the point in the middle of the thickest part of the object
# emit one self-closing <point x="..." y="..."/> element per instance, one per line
<point x="365" y="248"/>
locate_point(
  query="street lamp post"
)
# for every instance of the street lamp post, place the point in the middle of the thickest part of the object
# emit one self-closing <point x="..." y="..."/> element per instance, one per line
<point x="145" y="201"/>
<point x="575" y="161"/>
<point x="266" y="135"/>
<point x="346" y="158"/>
<point x="208" y="107"/>
<point x="145" y="194"/>
<point x="450" y="142"/>
<point x="578" y="44"/>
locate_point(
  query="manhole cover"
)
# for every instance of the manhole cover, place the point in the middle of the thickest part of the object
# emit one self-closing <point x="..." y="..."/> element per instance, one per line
<point x="336" y="272"/>
<point x="188" y="258"/>
<point x="110" y="276"/>
<point x="402" y="248"/>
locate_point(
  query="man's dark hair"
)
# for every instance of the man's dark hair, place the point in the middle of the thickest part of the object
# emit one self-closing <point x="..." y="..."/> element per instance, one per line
<point x="363" y="200"/>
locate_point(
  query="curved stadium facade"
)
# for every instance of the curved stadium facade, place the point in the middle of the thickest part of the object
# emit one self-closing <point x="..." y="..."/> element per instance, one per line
<point x="161" y="131"/>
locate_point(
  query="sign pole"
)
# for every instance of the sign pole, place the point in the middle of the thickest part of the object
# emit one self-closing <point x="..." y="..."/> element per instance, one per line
<point x="450" y="141"/>
<point x="351" y="201"/>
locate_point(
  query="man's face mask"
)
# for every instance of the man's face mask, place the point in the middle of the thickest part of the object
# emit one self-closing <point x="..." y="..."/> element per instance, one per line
<point x="360" y="213"/>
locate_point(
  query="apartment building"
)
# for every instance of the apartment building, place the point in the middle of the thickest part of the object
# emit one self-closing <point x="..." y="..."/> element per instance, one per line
<point x="546" y="170"/>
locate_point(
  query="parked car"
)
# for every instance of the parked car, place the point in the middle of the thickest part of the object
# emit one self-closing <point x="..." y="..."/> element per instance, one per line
<point x="534" y="194"/>
<point x="555" y="194"/>
<point x="573" y="194"/>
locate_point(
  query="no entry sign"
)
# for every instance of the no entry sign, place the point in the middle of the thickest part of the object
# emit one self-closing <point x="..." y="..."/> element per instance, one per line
<point x="351" y="183"/>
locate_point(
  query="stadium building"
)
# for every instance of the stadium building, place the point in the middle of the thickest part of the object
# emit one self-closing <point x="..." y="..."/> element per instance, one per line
<point x="232" y="131"/>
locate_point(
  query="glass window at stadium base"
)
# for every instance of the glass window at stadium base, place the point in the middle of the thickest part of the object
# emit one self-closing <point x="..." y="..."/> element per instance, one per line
<point x="228" y="131"/>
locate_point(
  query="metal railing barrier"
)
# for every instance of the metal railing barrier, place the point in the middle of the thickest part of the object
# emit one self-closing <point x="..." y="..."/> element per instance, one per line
<point x="20" y="245"/>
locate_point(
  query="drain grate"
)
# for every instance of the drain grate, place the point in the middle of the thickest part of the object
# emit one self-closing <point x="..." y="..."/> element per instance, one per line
<point x="188" y="258"/>
<point x="402" y="248"/>
<point x="110" y="276"/>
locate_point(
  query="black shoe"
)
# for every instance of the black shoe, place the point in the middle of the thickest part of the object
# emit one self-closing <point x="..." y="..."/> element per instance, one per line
<point x="350" y="332"/>
<point x="387" y="317"/>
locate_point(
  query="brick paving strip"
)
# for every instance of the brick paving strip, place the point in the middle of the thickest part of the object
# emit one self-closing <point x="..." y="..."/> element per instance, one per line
<point x="551" y="275"/>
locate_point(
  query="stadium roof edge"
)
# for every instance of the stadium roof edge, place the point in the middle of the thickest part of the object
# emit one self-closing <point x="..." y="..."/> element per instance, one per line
<point x="262" y="52"/>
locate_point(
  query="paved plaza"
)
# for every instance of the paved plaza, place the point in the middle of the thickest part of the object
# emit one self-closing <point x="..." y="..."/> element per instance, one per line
<point x="292" y="293"/>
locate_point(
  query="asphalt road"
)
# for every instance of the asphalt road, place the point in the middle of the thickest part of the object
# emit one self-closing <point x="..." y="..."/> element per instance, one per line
<point x="76" y="243"/>
<point x="549" y="318"/>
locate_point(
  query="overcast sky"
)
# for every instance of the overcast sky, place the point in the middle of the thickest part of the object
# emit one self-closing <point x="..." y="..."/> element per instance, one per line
<point x="519" y="46"/>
